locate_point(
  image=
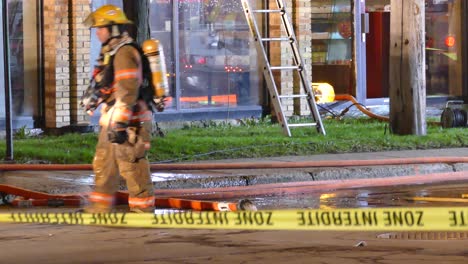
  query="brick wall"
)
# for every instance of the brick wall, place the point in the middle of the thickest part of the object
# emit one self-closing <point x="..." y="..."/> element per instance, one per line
<point x="66" y="61"/>
<point x="80" y="57"/>
<point x="302" y="19"/>
<point x="67" y="52"/>
<point x="287" y="77"/>
<point x="299" y="12"/>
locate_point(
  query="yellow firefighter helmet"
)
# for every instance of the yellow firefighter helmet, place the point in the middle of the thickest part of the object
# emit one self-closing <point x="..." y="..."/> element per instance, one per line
<point x="107" y="15"/>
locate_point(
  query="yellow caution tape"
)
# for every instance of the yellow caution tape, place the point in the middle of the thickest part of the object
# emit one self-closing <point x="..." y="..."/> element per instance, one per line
<point x="367" y="219"/>
<point x="439" y="199"/>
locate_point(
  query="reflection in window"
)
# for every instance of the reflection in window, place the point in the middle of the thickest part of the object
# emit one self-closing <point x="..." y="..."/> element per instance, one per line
<point x="215" y="55"/>
<point x="332" y="43"/>
<point x="23" y="57"/>
<point x="15" y="15"/>
<point x="161" y="29"/>
<point x="332" y="32"/>
<point x="443" y="48"/>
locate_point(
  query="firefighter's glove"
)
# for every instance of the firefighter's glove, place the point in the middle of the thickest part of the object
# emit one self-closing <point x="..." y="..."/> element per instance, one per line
<point x="160" y="103"/>
<point x="94" y="95"/>
<point x="118" y="133"/>
<point x="90" y="99"/>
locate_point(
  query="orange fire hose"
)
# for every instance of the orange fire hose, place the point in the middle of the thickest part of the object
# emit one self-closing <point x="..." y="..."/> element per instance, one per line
<point x="31" y="198"/>
<point x="305" y="187"/>
<point x="182" y="196"/>
<point x="174" y="203"/>
<point x="347" y="97"/>
<point x="247" y="165"/>
<point x="43" y="199"/>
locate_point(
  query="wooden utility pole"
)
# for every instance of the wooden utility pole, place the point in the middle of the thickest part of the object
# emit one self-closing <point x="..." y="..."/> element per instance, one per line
<point x="7" y="81"/>
<point x="138" y="12"/>
<point x="407" y="67"/>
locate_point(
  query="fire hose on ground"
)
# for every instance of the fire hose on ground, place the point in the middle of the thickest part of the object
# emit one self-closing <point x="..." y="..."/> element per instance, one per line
<point x="347" y="97"/>
<point x="247" y="165"/>
<point x="32" y="198"/>
<point x="180" y="199"/>
<point x="29" y="198"/>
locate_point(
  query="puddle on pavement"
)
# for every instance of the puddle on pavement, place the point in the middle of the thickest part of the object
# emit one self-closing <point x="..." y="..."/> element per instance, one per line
<point x="390" y="196"/>
<point x="82" y="180"/>
<point x="170" y="176"/>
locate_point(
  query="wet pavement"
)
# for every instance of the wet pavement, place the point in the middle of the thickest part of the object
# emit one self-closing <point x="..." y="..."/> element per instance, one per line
<point x="60" y="182"/>
<point x="400" y="195"/>
<point x="388" y="196"/>
<point x="85" y="244"/>
<point x="81" y="181"/>
<point x="33" y="243"/>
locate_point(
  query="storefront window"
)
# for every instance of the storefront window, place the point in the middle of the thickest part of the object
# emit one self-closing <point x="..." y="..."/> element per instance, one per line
<point x="217" y="66"/>
<point x="161" y="21"/>
<point x="22" y="21"/>
<point x="332" y="43"/>
<point x="443" y="45"/>
<point x="214" y="55"/>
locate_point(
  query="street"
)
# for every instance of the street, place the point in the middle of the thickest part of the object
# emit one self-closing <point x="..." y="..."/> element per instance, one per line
<point x="26" y="243"/>
<point x="82" y="244"/>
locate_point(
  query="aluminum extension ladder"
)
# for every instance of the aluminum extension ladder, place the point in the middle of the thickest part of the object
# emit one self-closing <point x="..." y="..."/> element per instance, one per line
<point x="251" y="16"/>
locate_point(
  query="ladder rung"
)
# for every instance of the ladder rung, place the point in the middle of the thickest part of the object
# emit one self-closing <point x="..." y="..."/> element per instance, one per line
<point x="268" y="11"/>
<point x="285" y="68"/>
<point x="277" y="39"/>
<point x="302" y="125"/>
<point x="261" y="41"/>
<point x="293" y="96"/>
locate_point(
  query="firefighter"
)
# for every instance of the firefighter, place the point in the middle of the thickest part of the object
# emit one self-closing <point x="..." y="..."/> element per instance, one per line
<point x="125" y="123"/>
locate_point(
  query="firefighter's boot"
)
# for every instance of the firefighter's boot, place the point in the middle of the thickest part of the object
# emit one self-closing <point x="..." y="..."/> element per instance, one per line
<point x="95" y="208"/>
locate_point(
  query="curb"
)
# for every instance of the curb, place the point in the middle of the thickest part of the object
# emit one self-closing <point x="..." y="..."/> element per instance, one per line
<point x="219" y="178"/>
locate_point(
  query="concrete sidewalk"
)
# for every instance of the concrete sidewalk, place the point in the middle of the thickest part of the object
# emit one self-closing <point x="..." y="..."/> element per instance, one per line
<point x="225" y="178"/>
<point x="82" y="181"/>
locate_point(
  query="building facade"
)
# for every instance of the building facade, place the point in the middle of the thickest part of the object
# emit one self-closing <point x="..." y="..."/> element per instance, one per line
<point x="213" y="68"/>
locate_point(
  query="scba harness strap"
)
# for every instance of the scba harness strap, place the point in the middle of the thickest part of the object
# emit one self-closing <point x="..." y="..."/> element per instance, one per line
<point x="101" y="86"/>
<point x="146" y="91"/>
